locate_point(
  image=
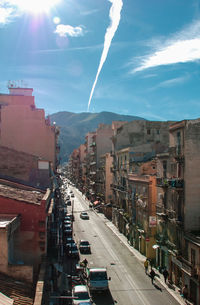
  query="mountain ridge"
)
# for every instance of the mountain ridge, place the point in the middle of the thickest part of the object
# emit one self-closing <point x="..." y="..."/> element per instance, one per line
<point x="74" y="127"/>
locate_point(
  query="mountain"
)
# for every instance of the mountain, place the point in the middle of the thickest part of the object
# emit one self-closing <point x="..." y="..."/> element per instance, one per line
<point x="74" y="127"/>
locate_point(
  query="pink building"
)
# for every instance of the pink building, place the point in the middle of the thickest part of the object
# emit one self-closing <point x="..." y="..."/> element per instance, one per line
<point x="24" y="127"/>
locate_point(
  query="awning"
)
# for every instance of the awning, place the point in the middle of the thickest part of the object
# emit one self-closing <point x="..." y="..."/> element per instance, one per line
<point x="155" y="246"/>
<point x="96" y="202"/>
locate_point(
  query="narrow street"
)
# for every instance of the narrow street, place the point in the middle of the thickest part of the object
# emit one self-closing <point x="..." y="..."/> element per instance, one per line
<point x="129" y="284"/>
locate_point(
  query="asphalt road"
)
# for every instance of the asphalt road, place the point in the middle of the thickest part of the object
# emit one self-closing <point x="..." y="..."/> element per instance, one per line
<point x="129" y="284"/>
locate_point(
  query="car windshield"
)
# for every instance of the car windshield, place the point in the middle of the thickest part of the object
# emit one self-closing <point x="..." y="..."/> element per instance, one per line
<point x="98" y="276"/>
<point x="84" y="243"/>
<point x="82" y="295"/>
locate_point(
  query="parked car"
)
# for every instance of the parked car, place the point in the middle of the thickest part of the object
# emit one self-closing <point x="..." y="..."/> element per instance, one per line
<point x="84" y="215"/>
<point x="84" y="246"/>
<point x="71" y="216"/>
<point x="72" y="195"/>
<point x="67" y="230"/>
<point x="67" y="223"/>
<point x="69" y="239"/>
<point x="80" y="295"/>
<point x="67" y="218"/>
<point x="72" y="250"/>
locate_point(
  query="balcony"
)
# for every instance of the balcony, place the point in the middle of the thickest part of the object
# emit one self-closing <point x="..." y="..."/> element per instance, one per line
<point x="175" y="182"/>
<point x="162" y="182"/>
<point x="189" y="268"/>
<point x="177" y="153"/>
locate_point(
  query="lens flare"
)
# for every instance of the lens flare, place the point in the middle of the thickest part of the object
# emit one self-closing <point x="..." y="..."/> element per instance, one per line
<point x="36" y="6"/>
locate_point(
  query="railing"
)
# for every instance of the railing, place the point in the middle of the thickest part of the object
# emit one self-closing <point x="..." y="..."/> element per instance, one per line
<point x="174" y="182"/>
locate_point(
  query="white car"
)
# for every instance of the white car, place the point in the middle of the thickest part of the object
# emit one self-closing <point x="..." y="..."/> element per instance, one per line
<point x="80" y="295"/>
<point x="84" y="215"/>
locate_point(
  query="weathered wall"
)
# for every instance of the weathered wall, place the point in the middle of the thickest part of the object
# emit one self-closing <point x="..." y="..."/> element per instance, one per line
<point x="29" y="242"/>
<point x="22" y="167"/>
<point x="144" y="136"/>
<point x="192" y="176"/>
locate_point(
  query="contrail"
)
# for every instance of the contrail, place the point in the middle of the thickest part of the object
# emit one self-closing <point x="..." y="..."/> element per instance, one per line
<point x="114" y="15"/>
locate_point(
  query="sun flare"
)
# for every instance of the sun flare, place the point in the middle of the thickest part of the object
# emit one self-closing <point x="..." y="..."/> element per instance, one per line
<point x="36" y="6"/>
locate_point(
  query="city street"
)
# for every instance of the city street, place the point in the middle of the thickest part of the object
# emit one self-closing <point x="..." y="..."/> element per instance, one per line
<point x="129" y="284"/>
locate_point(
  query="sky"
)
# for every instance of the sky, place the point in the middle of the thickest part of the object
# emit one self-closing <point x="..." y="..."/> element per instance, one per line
<point x="132" y="57"/>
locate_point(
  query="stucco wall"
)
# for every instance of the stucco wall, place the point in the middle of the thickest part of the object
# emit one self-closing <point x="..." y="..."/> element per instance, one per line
<point x="103" y="140"/>
<point x="23" y="167"/>
<point x="28" y="237"/>
<point x="144" y="135"/>
<point x="24" y="128"/>
<point x="192" y="176"/>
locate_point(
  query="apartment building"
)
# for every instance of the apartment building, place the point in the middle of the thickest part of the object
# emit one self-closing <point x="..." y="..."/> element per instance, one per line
<point x="25" y="128"/>
<point x="178" y="211"/>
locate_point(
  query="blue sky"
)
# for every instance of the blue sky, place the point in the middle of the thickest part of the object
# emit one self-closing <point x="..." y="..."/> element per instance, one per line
<point x="135" y="57"/>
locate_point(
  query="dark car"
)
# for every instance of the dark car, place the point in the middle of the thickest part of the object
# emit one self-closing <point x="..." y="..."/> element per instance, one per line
<point x="70" y="216"/>
<point x="72" y="195"/>
<point x="84" y="246"/>
<point x="72" y="250"/>
<point x="67" y="230"/>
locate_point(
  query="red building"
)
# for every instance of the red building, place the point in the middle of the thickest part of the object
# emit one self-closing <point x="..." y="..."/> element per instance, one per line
<point x="23" y="228"/>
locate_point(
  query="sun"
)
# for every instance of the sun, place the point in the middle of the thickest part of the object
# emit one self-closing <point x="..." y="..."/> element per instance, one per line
<point x="36" y="6"/>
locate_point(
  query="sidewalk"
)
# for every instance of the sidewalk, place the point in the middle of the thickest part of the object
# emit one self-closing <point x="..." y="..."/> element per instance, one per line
<point x="174" y="291"/>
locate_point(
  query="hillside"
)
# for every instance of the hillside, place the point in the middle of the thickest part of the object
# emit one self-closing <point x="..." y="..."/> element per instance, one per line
<point x="74" y="127"/>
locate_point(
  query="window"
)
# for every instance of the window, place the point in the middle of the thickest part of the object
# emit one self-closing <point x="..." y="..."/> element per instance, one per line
<point x="193" y="257"/>
<point x="41" y="224"/>
<point x="148" y="131"/>
<point x="164" y="169"/>
<point x="178" y="143"/>
<point x="41" y="235"/>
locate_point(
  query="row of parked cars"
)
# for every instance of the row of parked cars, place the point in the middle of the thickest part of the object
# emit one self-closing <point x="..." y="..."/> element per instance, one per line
<point x="71" y="247"/>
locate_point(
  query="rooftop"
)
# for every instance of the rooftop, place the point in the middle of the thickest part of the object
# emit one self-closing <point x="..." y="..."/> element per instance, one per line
<point x="20" y="292"/>
<point x="20" y="193"/>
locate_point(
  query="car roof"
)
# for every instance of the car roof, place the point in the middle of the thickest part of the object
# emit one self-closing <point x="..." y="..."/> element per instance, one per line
<point x="80" y="288"/>
<point x="97" y="269"/>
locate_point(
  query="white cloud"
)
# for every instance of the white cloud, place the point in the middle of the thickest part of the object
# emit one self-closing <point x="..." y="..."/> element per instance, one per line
<point x="7" y="12"/>
<point x="181" y="48"/>
<point x="68" y="30"/>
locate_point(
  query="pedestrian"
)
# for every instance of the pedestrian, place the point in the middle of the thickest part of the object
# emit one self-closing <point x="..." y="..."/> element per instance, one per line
<point x="185" y="291"/>
<point x="165" y="274"/>
<point x="84" y="263"/>
<point x="146" y="265"/>
<point x="152" y="275"/>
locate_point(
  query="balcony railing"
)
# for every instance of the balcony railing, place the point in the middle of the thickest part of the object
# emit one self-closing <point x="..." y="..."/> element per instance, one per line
<point x="175" y="182"/>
